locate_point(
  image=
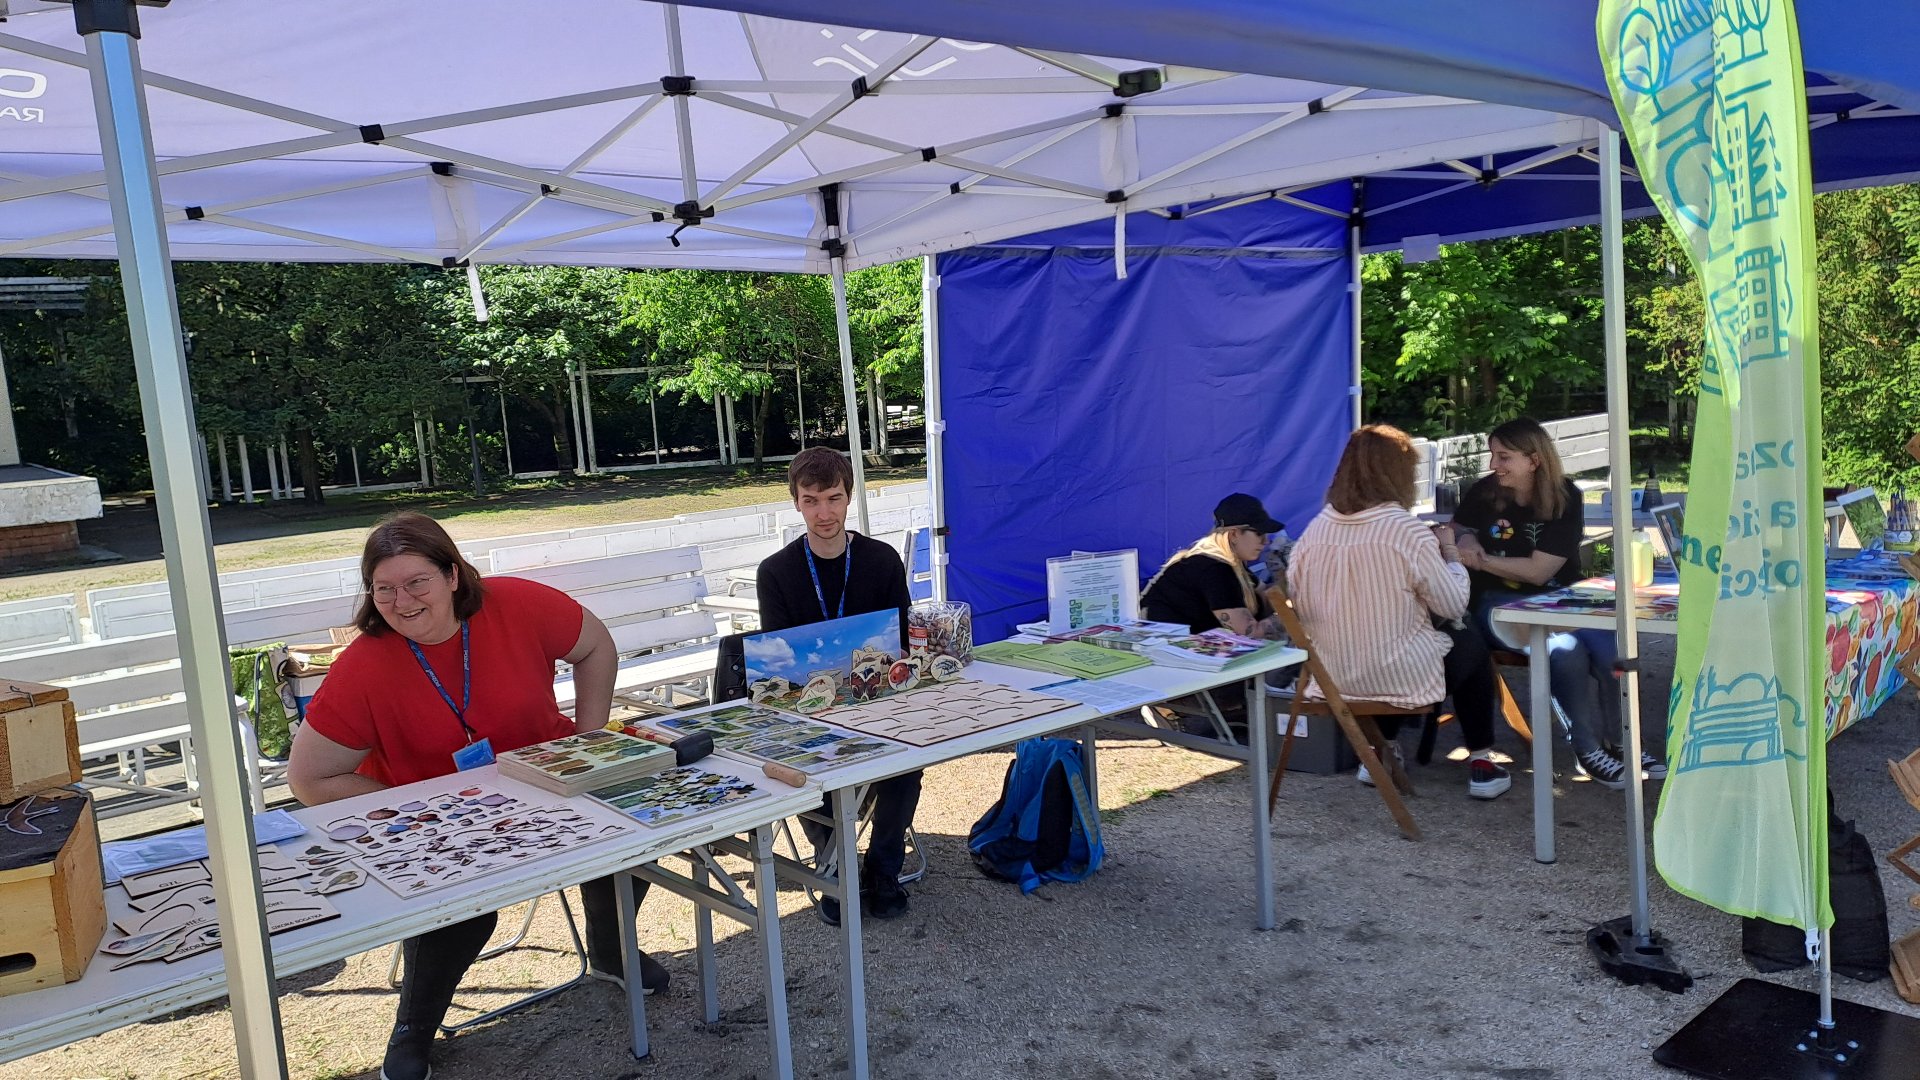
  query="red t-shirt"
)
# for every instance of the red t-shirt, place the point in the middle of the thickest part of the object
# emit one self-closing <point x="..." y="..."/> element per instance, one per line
<point x="376" y="698"/>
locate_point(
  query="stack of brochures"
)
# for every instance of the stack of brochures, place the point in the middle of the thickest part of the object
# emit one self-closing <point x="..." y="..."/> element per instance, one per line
<point x="585" y="762"/>
<point x="1210" y="651"/>
<point x="1071" y="658"/>
<point x="1126" y="638"/>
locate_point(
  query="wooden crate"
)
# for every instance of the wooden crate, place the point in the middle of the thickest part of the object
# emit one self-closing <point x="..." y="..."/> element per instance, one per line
<point x="39" y="743"/>
<point x="51" y="889"/>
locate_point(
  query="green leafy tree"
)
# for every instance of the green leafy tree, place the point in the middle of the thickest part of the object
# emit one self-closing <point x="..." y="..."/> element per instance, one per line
<point x="1869" y="285"/>
<point x="543" y="321"/>
<point x="717" y="332"/>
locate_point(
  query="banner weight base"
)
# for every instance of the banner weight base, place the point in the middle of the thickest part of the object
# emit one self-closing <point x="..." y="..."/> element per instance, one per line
<point x="1762" y="1029"/>
<point x="1637" y="963"/>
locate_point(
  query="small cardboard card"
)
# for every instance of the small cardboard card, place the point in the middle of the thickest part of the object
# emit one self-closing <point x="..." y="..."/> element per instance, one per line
<point x="160" y="880"/>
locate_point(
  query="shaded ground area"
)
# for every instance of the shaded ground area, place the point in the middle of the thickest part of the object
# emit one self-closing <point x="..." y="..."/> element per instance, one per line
<point x="1458" y="956"/>
<point x="275" y="533"/>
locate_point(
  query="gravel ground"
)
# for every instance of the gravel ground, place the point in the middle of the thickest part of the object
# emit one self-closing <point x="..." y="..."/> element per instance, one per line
<point x="1458" y="956"/>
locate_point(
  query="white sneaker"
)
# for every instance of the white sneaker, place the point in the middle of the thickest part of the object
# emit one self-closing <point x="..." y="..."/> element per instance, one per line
<point x="1362" y="775"/>
<point x="1486" y="780"/>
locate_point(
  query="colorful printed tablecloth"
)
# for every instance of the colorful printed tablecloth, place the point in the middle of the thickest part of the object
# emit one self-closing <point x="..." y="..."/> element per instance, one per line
<point x="1873" y="620"/>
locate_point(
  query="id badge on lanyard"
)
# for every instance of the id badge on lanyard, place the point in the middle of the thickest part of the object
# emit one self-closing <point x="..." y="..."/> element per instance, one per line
<point x="479" y="750"/>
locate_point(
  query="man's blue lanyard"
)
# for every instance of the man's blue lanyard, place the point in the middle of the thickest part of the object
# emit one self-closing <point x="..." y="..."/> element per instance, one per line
<point x="466" y="670"/>
<point x="845" y="583"/>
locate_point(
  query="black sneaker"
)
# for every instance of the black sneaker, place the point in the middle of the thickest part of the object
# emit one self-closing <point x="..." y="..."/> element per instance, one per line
<point x="829" y="910"/>
<point x="1486" y="780"/>
<point x="1603" y="768"/>
<point x="407" y="1054"/>
<point x="886" y="900"/>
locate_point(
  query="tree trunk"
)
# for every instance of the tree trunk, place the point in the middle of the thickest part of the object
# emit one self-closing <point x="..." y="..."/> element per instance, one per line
<point x="1674" y="438"/>
<point x="309" y="466"/>
<point x="559" y="417"/>
<point x="762" y="405"/>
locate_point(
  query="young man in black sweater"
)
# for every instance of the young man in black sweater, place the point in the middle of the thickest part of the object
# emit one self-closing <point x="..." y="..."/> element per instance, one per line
<point x="830" y="573"/>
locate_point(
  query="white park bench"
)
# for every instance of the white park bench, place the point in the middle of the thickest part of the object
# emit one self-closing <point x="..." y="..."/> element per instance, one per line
<point x="129" y="695"/>
<point x="39" y="623"/>
<point x="1581" y="440"/>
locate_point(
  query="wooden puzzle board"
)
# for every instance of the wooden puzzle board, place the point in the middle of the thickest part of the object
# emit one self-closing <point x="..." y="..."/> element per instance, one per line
<point x="416" y="846"/>
<point x="171" y="913"/>
<point x="944" y="711"/>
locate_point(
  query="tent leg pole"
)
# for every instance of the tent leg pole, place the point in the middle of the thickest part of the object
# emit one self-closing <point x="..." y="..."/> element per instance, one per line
<point x="720" y="428"/>
<point x="153" y="317"/>
<point x="355" y="451"/>
<point x="936" y="421"/>
<point x="1354" y="292"/>
<point x="800" y="403"/>
<point x="848" y="389"/>
<point x="1626" y="632"/>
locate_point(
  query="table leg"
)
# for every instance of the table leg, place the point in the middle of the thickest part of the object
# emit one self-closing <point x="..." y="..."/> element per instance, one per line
<point x="766" y="897"/>
<point x="704" y="960"/>
<point x="1262" y="824"/>
<point x="630" y="946"/>
<point x="1089" y="762"/>
<point x="1541" y="718"/>
<point x="853" y="976"/>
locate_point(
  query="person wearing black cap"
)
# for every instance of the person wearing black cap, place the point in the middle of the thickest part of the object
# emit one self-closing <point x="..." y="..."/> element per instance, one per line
<point x="1207" y="585"/>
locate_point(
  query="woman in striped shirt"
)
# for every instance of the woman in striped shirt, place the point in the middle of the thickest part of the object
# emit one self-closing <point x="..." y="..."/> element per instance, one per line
<point x="1382" y="596"/>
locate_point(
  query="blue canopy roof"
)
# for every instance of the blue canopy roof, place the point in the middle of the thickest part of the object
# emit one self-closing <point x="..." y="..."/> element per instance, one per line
<point x="1535" y="53"/>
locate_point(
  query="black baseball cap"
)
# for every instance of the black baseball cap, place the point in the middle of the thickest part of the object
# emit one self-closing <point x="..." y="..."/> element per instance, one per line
<point x="1244" y="510"/>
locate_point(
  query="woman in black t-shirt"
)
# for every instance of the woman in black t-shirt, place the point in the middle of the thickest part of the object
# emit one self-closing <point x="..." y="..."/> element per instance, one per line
<point x="1520" y="529"/>
<point x="1207" y="585"/>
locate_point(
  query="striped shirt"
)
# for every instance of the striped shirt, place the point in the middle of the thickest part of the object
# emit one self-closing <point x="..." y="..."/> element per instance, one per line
<point x="1366" y="585"/>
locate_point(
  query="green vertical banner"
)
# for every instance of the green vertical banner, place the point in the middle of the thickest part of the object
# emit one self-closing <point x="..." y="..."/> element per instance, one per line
<point x="1712" y="101"/>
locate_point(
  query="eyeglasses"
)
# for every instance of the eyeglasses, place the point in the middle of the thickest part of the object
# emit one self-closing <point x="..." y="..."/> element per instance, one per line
<point x="418" y="587"/>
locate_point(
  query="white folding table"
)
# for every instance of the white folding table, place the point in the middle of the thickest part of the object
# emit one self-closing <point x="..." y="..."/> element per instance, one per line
<point x="846" y="786"/>
<point x="372" y="916"/>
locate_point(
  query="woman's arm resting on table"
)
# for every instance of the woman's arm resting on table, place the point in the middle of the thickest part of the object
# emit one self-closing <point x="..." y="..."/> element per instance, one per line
<point x="1241" y="621"/>
<point x="321" y="771"/>
<point x="1536" y="569"/>
<point x="594" y="662"/>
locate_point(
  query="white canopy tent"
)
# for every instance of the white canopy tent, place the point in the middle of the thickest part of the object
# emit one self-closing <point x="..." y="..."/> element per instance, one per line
<point x="627" y="133"/>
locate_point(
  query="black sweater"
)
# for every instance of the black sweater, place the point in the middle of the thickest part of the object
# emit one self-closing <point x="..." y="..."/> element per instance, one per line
<point x="786" y="591"/>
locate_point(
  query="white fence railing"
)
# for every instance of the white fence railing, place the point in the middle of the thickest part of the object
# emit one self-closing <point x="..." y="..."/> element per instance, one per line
<point x="738" y="537"/>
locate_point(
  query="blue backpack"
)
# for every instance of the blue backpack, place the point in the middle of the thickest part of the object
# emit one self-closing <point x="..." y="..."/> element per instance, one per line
<point x="1044" y="828"/>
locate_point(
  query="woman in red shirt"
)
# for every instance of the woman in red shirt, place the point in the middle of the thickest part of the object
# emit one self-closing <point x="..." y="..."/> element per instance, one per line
<point x="447" y="672"/>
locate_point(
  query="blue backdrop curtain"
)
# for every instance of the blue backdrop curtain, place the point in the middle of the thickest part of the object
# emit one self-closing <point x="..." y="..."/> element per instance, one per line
<point x="1089" y="413"/>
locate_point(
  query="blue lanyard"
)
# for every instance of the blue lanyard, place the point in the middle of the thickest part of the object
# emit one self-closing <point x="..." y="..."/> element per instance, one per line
<point x="845" y="583"/>
<point x="466" y="670"/>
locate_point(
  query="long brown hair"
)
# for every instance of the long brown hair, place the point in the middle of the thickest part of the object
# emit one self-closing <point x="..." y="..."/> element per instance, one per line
<point x="1376" y="467"/>
<point x="1549" y="495"/>
<point x="408" y="533"/>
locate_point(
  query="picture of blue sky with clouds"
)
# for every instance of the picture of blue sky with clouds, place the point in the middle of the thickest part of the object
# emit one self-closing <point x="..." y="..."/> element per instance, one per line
<point x="823" y="646"/>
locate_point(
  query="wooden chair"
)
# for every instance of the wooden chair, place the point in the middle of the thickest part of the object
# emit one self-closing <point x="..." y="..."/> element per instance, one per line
<point x="1354" y="717"/>
<point x="1509" y="708"/>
